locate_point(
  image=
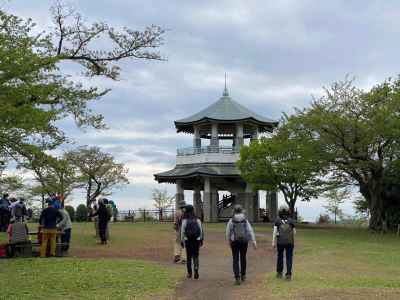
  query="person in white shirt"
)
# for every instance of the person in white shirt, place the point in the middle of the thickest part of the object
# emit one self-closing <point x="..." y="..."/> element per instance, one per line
<point x="65" y="225"/>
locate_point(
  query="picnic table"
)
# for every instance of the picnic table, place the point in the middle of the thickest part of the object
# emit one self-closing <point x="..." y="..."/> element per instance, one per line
<point x="32" y="248"/>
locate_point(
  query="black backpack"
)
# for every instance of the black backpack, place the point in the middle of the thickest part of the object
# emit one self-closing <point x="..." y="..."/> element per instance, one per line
<point x="192" y="229"/>
<point x="286" y="235"/>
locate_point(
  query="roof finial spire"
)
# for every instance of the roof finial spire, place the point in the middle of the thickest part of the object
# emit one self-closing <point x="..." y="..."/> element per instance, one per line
<point x="225" y="93"/>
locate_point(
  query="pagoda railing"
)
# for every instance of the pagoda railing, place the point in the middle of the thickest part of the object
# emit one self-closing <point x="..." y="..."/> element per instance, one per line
<point x="206" y="149"/>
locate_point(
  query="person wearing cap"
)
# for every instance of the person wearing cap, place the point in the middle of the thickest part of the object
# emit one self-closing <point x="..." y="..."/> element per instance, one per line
<point x="179" y="253"/>
<point x="48" y="219"/>
<point x="238" y="234"/>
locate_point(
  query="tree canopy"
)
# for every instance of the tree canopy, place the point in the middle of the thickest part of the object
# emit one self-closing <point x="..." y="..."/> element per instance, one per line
<point x="98" y="171"/>
<point x="285" y="162"/>
<point x="359" y="135"/>
<point x="36" y="92"/>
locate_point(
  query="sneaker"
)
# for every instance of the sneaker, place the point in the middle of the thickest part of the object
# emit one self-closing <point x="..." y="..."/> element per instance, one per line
<point x="243" y="278"/>
<point x="279" y="275"/>
<point x="237" y="281"/>
<point x="288" y="277"/>
<point x="189" y="275"/>
<point x="177" y="258"/>
<point x="196" y="274"/>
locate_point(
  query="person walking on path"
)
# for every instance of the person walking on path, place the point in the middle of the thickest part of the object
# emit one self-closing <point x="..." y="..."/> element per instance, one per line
<point x="103" y="219"/>
<point x="65" y="225"/>
<point x="238" y="234"/>
<point x="283" y="242"/>
<point x="192" y="240"/>
<point x="48" y="219"/>
<point x="179" y="253"/>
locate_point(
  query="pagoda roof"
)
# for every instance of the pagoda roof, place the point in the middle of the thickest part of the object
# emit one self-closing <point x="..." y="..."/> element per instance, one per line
<point x="225" y="110"/>
<point x="189" y="171"/>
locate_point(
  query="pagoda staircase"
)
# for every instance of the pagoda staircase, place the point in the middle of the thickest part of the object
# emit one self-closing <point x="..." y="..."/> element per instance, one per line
<point x="225" y="207"/>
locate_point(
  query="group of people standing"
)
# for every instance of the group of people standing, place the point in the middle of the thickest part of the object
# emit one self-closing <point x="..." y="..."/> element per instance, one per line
<point x="239" y="233"/>
<point x="12" y="209"/>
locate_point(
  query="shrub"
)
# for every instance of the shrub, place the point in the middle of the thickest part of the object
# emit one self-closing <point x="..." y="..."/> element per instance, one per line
<point x="81" y="213"/>
<point x="323" y="219"/>
<point x="71" y="212"/>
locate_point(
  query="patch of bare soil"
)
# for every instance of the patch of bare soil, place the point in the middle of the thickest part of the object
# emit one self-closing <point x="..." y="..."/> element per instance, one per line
<point x="216" y="275"/>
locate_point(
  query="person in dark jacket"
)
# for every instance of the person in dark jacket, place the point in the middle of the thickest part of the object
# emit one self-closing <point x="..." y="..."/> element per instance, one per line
<point x="192" y="240"/>
<point x="48" y="220"/>
<point x="103" y="219"/>
<point x="283" y="242"/>
<point x="4" y="212"/>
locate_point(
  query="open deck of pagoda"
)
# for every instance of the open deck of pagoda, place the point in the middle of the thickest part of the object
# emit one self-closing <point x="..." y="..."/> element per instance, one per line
<point x="209" y="167"/>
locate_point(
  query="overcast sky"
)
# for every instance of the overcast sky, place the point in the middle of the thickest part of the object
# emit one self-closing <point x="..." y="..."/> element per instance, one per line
<point x="276" y="54"/>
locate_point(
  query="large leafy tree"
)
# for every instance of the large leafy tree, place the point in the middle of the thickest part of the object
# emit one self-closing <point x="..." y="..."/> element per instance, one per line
<point x="52" y="175"/>
<point x="359" y="132"/>
<point x="35" y="91"/>
<point x="286" y="162"/>
<point x="99" y="173"/>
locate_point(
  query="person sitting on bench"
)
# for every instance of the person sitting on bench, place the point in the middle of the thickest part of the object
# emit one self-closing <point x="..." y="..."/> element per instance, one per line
<point x="17" y="236"/>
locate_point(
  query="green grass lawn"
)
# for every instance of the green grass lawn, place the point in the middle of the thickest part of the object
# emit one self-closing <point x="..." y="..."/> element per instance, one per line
<point x="328" y="263"/>
<point x="340" y="261"/>
<point x="74" y="278"/>
<point x="121" y="270"/>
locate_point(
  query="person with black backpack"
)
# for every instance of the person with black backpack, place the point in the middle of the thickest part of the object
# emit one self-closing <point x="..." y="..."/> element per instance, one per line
<point x="283" y="242"/>
<point x="192" y="240"/>
<point x="238" y="234"/>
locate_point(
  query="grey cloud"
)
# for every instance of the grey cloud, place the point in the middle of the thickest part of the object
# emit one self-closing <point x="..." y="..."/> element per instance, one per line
<point x="276" y="54"/>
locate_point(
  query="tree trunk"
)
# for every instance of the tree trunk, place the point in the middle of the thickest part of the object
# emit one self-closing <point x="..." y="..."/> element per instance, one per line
<point x="374" y="196"/>
<point x="292" y="204"/>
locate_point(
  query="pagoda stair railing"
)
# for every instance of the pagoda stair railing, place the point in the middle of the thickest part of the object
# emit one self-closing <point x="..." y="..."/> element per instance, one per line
<point x="226" y="202"/>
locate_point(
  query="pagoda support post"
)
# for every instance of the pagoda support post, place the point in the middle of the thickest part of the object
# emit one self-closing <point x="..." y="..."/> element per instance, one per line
<point x="198" y="210"/>
<point x="272" y="205"/>
<point x="180" y="195"/>
<point x="254" y="135"/>
<point x="249" y="201"/>
<point x="210" y="195"/>
<point x="196" y="138"/>
<point x="239" y="135"/>
<point x="214" y="135"/>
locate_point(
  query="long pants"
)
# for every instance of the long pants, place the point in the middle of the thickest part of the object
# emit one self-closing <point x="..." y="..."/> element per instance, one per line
<point x="239" y="252"/>
<point x="48" y="235"/>
<point x="103" y="231"/>
<point x="65" y="239"/>
<point x="192" y="255"/>
<point x="178" y="251"/>
<point x="288" y="249"/>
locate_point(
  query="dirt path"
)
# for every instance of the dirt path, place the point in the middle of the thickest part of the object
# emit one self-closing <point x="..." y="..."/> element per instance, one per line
<point x="216" y="278"/>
